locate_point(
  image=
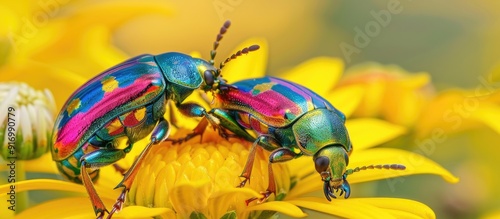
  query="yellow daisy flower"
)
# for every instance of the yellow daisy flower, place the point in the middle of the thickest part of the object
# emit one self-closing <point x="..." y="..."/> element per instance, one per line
<point x="198" y="179"/>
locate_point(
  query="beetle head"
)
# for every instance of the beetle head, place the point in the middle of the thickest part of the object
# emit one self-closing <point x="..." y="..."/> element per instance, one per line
<point x="331" y="162"/>
<point x="210" y="75"/>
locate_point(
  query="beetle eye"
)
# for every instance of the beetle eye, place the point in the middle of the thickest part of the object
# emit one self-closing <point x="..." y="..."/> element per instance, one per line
<point x="321" y="163"/>
<point x="209" y="78"/>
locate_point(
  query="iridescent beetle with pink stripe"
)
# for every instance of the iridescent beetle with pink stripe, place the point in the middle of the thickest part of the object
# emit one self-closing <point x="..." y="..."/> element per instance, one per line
<point x="127" y="101"/>
<point x="290" y="121"/>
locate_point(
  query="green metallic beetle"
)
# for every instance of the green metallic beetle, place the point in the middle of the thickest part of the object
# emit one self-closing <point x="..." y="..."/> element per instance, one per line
<point x="290" y="121"/>
<point x="127" y="101"/>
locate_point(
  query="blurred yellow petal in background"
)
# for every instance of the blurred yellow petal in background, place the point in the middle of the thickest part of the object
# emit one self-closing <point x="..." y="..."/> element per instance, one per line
<point x="390" y="92"/>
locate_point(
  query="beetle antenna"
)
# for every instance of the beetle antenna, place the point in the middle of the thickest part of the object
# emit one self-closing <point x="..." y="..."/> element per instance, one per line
<point x="379" y="166"/>
<point x="222" y="31"/>
<point x="245" y="50"/>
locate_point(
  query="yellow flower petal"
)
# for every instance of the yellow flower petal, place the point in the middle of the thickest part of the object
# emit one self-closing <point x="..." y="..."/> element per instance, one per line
<point x="493" y="215"/>
<point x="402" y="208"/>
<point x="252" y="65"/>
<point x="184" y="121"/>
<point x="306" y="165"/>
<point x="48" y="167"/>
<point x="450" y="112"/>
<point x="388" y="88"/>
<point x="348" y="208"/>
<point x="279" y="206"/>
<point x="408" y="96"/>
<point x="346" y="99"/>
<point x="137" y="212"/>
<point x="319" y="74"/>
<point x="308" y="184"/>
<point x="190" y="197"/>
<point x="73" y="35"/>
<point x="59" y="81"/>
<point x="219" y="203"/>
<point x="78" y="207"/>
<point x="89" y="13"/>
<point x="57" y="185"/>
<point x="416" y="80"/>
<point x="415" y="164"/>
<point x="195" y="54"/>
<point x="89" y="53"/>
<point x="9" y="21"/>
<point x="367" y="133"/>
<point x="98" y="49"/>
<point x="488" y="114"/>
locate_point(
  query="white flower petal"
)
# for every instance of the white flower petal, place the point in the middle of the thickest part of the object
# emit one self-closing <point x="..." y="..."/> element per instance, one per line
<point x="8" y="101"/>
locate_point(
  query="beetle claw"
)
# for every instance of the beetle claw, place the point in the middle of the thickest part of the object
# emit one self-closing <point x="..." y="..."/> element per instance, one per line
<point x="242" y="183"/>
<point x="100" y="216"/>
<point x="118" y="204"/>
<point x="327" y="189"/>
<point x="266" y="195"/>
<point x="119" y="169"/>
<point x="345" y="188"/>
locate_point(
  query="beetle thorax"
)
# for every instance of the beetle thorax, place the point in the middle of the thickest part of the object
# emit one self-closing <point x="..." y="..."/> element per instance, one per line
<point x="320" y="128"/>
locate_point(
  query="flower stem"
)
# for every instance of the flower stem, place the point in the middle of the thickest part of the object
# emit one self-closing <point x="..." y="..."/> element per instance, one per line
<point x="22" y="197"/>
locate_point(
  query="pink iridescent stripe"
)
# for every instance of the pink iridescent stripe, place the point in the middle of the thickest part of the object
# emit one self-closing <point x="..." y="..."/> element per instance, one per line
<point x="72" y="132"/>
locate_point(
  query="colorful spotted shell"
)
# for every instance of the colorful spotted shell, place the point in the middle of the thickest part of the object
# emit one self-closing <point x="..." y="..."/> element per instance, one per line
<point x="272" y="101"/>
<point x="119" y="90"/>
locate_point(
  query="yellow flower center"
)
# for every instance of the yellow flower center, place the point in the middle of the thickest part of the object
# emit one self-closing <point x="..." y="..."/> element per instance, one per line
<point x="201" y="177"/>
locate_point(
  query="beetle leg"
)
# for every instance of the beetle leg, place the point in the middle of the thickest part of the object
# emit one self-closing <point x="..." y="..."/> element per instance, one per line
<point x="265" y="141"/>
<point x="280" y="154"/>
<point x="159" y="134"/>
<point x="119" y="169"/>
<point x="198" y="130"/>
<point x="99" y="207"/>
<point x="247" y="170"/>
<point x="193" y="110"/>
<point x="226" y="122"/>
<point x="218" y="118"/>
<point x="96" y="159"/>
